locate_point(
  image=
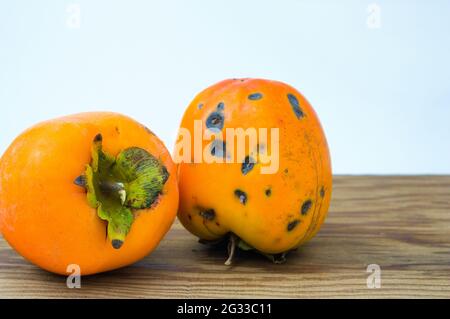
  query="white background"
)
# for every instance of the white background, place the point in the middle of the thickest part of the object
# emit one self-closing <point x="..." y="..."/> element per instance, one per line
<point x="379" y="80"/>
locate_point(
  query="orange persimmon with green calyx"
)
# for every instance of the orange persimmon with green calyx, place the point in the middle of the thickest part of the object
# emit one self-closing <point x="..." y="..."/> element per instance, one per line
<point x="98" y="190"/>
<point x="274" y="211"/>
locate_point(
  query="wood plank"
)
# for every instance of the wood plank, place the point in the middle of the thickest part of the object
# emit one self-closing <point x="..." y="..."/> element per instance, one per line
<point x="400" y="223"/>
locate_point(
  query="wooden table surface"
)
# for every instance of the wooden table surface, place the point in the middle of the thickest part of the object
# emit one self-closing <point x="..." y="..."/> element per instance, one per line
<point x="400" y="223"/>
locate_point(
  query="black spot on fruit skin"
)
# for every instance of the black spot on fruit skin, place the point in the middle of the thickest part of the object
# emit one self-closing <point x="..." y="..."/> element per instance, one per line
<point x="247" y="165"/>
<point x="208" y="214"/>
<point x="292" y="225"/>
<point x="322" y="192"/>
<point x="80" y="181"/>
<point x="255" y="96"/>
<point x="215" y="121"/>
<point x="241" y="195"/>
<point x="218" y="148"/>
<point x="306" y="206"/>
<point x="98" y="138"/>
<point x="295" y="106"/>
<point x="116" y="243"/>
<point x="268" y="192"/>
<point x="200" y="106"/>
<point x="220" y="106"/>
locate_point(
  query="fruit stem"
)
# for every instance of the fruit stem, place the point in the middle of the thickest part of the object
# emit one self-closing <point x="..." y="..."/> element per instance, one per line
<point x="114" y="187"/>
<point x="231" y="249"/>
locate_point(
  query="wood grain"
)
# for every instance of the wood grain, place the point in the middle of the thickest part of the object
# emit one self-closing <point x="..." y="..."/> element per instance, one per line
<point x="400" y="223"/>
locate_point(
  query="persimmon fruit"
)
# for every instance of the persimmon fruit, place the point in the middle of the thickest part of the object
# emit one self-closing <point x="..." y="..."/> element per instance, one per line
<point x="98" y="190"/>
<point x="272" y="213"/>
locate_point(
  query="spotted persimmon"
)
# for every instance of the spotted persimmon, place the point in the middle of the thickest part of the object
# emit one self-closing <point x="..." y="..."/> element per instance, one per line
<point x="98" y="190"/>
<point x="272" y="212"/>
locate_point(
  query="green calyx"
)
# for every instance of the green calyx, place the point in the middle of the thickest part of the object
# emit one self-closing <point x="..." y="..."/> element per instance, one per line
<point x="117" y="186"/>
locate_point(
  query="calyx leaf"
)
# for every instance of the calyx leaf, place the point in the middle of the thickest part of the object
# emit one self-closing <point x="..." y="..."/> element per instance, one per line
<point x="116" y="186"/>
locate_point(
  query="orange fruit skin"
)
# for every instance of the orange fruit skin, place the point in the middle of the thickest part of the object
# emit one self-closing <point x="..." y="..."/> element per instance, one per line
<point x="304" y="170"/>
<point x="46" y="218"/>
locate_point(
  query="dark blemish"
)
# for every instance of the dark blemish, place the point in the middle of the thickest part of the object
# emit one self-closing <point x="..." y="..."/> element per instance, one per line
<point x="255" y="96"/>
<point x="247" y="165"/>
<point x="116" y="243"/>
<point x="306" y="206"/>
<point x="208" y="214"/>
<point x="80" y="181"/>
<point x="190" y="217"/>
<point x="98" y="138"/>
<point x="286" y="170"/>
<point x="292" y="225"/>
<point x="268" y="192"/>
<point x="241" y="195"/>
<point x="200" y="106"/>
<point x="322" y="192"/>
<point x="220" y="106"/>
<point x="117" y="130"/>
<point x="217" y="223"/>
<point x="295" y="106"/>
<point x="218" y="148"/>
<point x="215" y="121"/>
